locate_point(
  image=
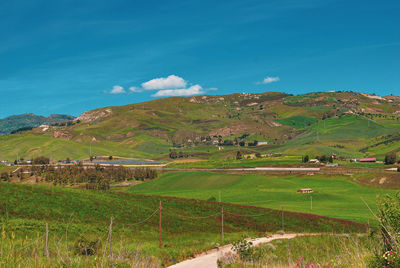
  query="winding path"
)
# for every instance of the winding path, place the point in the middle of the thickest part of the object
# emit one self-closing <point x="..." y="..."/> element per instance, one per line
<point x="209" y="259"/>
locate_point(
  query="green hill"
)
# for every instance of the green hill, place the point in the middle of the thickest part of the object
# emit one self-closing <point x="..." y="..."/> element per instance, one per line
<point x="334" y="196"/>
<point x="313" y="123"/>
<point x="189" y="226"/>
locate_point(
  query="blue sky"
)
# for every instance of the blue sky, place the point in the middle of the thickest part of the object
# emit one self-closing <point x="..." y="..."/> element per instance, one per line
<point x="72" y="56"/>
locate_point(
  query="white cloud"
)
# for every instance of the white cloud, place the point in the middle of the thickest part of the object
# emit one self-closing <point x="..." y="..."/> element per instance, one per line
<point x="117" y="90"/>
<point x="193" y="90"/>
<point x="170" y="82"/>
<point x="268" y="80"/>
<point x="135" y="89"/>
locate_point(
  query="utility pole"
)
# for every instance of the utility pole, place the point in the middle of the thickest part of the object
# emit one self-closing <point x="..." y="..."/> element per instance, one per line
<point x="159" y="228"/>
<point x="222" y="223"/>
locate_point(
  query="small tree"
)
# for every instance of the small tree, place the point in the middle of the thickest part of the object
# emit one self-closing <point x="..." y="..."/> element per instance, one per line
<point x="4" y="176"/>
<point x="173" y="154"/>
<point x="110" y="157"/>
<point x="238" y="155"/>
<point x="306" y="159"/>
<point x="390" y="159"/>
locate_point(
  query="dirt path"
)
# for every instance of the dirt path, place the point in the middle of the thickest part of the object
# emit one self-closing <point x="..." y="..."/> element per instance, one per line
<point x="209" y="259"/>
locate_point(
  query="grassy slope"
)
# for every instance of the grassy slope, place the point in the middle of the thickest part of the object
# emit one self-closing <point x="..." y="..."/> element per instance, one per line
<point x="149" y="129"/>
<point x="24" y="209"/>
<point x="32" y="145"/>
<point x="334" y="196"/>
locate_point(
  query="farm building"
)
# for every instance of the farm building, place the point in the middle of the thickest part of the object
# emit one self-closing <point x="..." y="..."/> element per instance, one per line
<point x="368" y="160"/>
<point x="305" y="190"/>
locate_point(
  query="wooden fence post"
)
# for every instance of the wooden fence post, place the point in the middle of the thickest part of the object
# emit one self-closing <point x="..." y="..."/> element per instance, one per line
<point x="110" y="237"/>
<point x="159" y="227"/>
<point x="222" y="224"/>
<point x="46" y="246"/>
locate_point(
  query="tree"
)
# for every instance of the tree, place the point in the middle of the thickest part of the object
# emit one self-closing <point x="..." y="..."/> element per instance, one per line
<point x="390" y="158"/>
<point x="306" y="159"/>
<point x="173" y="154"/>
<point x="258" y="155"/>
<point x="4" y="176"/>
<point x="110" y="157"/>
<point x="41" y="160"/>
<point x="238" y="155"/>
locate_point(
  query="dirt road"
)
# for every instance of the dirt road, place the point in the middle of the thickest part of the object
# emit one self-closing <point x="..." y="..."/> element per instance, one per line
<point x="209" y="260"/>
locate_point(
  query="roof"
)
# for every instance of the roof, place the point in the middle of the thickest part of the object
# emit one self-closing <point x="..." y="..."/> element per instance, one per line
<point x="367" y="159"/>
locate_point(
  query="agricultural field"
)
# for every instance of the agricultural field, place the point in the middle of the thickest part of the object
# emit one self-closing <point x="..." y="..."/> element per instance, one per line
<point x="188" y="226"/>
<point x="242" y="163"/>
<point x="336" y="196"/>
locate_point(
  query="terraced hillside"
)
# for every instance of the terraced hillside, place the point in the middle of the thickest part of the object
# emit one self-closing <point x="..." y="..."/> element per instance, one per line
<point x="342" y="122"/>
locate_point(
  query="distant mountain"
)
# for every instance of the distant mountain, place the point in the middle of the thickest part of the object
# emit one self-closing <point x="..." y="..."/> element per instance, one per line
<point x="26" y="121"/>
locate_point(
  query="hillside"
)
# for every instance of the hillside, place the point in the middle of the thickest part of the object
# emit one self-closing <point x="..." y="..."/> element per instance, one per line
<point x="332" y="193"/>
<point x="25" y="209"/>
<point x="26" y="121"/>
<point x="342" y="122"/>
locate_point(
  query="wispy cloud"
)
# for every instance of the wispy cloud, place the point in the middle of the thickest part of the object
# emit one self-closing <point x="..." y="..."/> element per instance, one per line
<point x="135" y="89"/>
<point x="268" y="80"/>
<point x="117" y="90"/>
<point x="170" y="82"/>
<point x="193" y="90"/>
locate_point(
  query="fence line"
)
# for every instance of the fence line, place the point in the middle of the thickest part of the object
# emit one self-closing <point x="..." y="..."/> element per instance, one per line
<point x="136" y="223"/>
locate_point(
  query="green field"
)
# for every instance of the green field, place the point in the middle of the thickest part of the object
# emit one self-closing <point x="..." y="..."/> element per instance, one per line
<point x="189" y="226"/>
<point x="334" y="196"/>
<point x="32" y="145"/>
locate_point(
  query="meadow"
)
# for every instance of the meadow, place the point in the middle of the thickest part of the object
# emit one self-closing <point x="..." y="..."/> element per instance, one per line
<point x="334" y="195"/>
<point x="188" y="226"/>
<point x="309" y="251"/>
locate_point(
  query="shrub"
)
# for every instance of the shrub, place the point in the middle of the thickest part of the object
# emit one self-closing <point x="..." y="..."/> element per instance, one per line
<point x="243" y="248"/>
<point x="388" y="252"/>
<point x="87" y="245"/>
<point x="390" y="159"/>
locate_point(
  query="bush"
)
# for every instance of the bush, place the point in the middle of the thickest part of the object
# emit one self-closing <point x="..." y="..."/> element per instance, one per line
<point x="390" y="159"/>
<point x="87" y="245"/>
<point x="388" y="253"/>
<point x="243" y="248"/>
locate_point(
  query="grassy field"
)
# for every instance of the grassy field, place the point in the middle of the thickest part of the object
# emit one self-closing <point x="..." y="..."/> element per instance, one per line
<point x="245" y="163"/>
<point x="189" y="226"/>
<point x="310" y="251"/>
<point x="334" y="196"/>
<point x="32" y="145"/>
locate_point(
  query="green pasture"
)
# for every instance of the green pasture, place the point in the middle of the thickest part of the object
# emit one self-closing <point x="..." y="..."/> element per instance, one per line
<point x="334" y="196"/>
<point x="189" y="226"/>
<point x="245" y="163"/>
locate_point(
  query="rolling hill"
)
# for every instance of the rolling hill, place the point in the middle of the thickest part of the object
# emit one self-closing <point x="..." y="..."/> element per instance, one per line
<point x="342" y="122"/>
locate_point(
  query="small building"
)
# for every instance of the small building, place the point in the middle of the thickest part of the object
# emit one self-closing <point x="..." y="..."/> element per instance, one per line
<point x="313" y="161"/>
<point x="305" y="190"/>
<point x="261" y="143"/>
<point x="371" y="160"/>
<point x="334" y="156"/>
